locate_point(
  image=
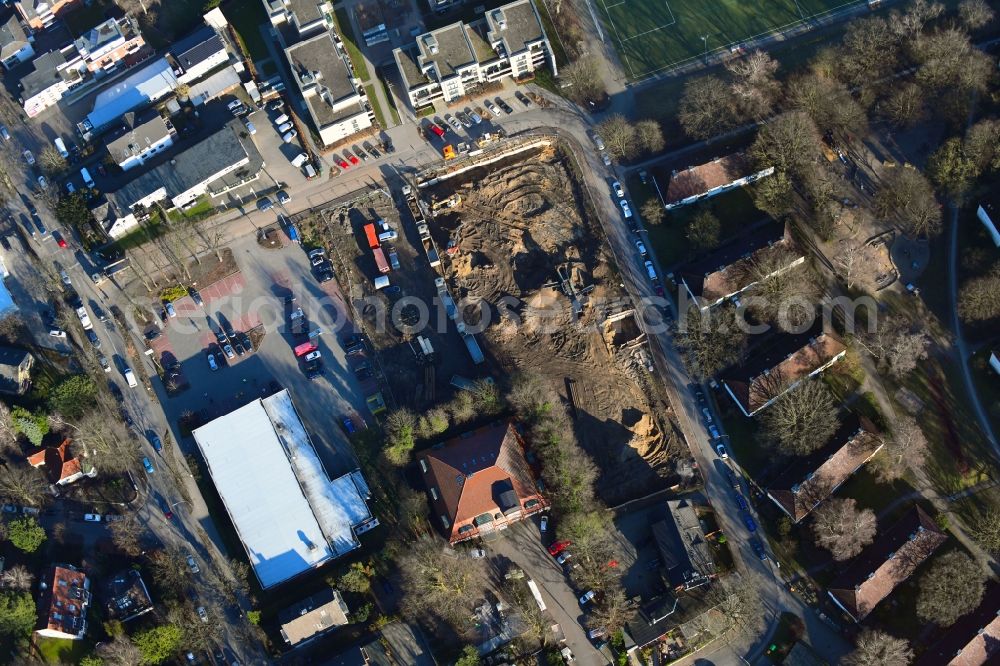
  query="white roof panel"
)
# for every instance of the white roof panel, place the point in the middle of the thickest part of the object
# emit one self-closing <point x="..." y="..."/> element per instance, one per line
<point x="149" y="84"/>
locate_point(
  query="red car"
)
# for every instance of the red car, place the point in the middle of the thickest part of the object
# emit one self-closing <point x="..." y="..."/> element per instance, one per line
<point x="437" y="130"/>
<point x="343" y="165"/>
<point x="60" y="240"/>
<point x="558" y="547"/>
<point x="354" y="160"/>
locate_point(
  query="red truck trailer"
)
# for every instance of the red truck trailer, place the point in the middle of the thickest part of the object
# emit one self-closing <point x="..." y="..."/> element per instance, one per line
<point x="383" y="265"/>
<point x="372" y="236"/>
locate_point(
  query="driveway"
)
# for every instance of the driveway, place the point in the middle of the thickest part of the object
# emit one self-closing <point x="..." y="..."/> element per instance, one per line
<point x="524" y="545"/>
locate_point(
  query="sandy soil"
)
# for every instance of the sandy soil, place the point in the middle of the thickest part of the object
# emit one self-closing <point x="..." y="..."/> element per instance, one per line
<point x="517" y="228"/>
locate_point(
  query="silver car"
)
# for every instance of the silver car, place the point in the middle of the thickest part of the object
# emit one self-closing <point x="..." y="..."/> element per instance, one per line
<point x="284" y="127"/>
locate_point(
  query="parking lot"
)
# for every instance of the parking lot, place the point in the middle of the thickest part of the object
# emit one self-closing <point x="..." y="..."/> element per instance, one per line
<point x="255" y="299"/>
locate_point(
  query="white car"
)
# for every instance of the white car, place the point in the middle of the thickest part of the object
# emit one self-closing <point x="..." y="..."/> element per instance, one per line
<point x="202" y="613"/>
<point x="544" y="525"/>
<point x="492" y="107"/>
<point x="312" y="356"/>
<point x="587" y="597"/>
<point x="626" y="210"/>
<point x="249" y="125"/>
<point x="284" y="127"/>
<point x="57" y="333"/>
<point x="597" y="140"/>
<point x="92" y="517"/>
<point x="707" y="413"/>
<point x="299" y="160"/>
<point x="211" y="362"/>
<point x="288" y="137"/>
<point x="477" y="553"/>
<point x="42" y="183"/>
<point x="565" y="555"/>
<point x="281" y="120"/>
<point x="192" y="565"/>
<point x="28" y="157"/>
<point x="617" y="187"/>
<point x="606" y="159"/>
<point x="453" y="122"/>
<point x="639" y="245"/>
<point x="228" y="349"/>
<point x="721" y="450"/>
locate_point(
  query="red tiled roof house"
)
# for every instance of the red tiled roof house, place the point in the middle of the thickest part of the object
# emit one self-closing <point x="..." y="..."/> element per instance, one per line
<point x="893" y="558"/>
<point x="65" y="597"/>
<point x="480" y="482"/>
<point x="707" y="180"/>
<point x="974" y="640"/>
<point x="59" y="463"/>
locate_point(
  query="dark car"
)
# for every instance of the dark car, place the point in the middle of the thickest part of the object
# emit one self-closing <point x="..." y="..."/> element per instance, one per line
<point x="349" y="426"/>
<point x="94" y="340"/>
<point x="245" y="341"/>
<point x="731" y="477"/>
<point x="264" y="205"/>
<point x="154" y="440"/>
<point x="116" y="392"/>
<point x="758" y="548"/>
<point x="314" y="369"/>
<point x="127" y="418"/>
<point x="522" y="98"/>
<point x="749" y="522"/>
<point x="742" y="503"/>
<point x="363" y="373"/>
<point x="238" y="347"/>
<point x="163" y="314"/>
<point x="506" y="107"/>
<point x="196" y="297"/>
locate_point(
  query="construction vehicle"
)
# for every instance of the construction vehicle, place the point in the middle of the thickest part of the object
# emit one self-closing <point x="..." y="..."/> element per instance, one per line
<point x="471" y="344"/>
<point x="445" y="297"/>
<point x="383" y="265"/>
<point x="449" y="152"/>
<point x="429" y="249"/>
<point x="449" y="202"/>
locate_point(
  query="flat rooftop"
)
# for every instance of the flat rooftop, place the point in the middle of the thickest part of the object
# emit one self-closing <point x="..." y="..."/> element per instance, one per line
<point x="290" y="516"/>
<point x="448" y="48"/>
<point x="516" y="25"/>
<point x="317" y="59"/>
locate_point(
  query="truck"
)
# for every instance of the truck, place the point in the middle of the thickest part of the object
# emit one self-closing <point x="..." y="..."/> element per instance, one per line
<point x="383" y="265"/>
<point x="473" y="346"/>
<point x="448" y="152"/>
<point x="297" y="322"/>
<point x="445" y="297"/>
<point x="81" y="312"/>
<point x="372" y="236"/>
<point x="428" y="243"/>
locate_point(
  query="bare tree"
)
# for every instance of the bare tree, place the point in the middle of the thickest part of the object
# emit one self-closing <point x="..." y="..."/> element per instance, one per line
<point x="855" y="262"/>
<point x="979" y="298"/>
<point x="649" y="136"/>
<point x="906" y="198"/>
<point x="841" y="528"/>
<point x="788" y="143"/>
<point x="783" y="292"/>
<point x="737" y="610"/>
<point x="801" y="420"/>
<point x="905" y="106"/>
<point x="906" y="448"/>
<point x="652" y="211"/>
<point x="584" y="79"/>
<point x="8" y="434"/>
<point x="950" y="64"/>
<point x="213" y="240"/>
<point x="896" y="343"/>
<point x="612" y="612"/>
<point x="829" y="103"/>
<point x="51" y="162"/>
<point x="170" y="571"/>
<point x="710" y="340"/>
<point x="105" y="439"/>
<point x="517" y="594"/>
<point x="877" y="647"/>
<point x="870" y="52"/>
<point x="912" y="22"/>
<point x="438" y="580"/>
<point x="754" y="85"/>
<point x="127" y="534"/>
<point x="707" y="108"/>
<point x="18" y="577"/>
<point x="620" y="136"/>
<point x="975" y="14"/>
<point x="120" y="652"/>
<point x="953" y="586"/>
<point x="20" y="484"/>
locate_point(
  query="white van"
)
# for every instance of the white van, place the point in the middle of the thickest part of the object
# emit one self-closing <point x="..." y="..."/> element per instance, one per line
<point x="299" y="160"/>
<point x="61" y="147"/>
<point x="130" y="377"/>
<point x="310" y="172"/>
<point x="280" y="120"/>
<point x="87" y="180"/>
<point x="381" y="282"/>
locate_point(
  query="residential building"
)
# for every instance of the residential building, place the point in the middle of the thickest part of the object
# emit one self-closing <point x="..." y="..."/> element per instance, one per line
<point x="736" y="266"/>
<point x="974" y="639"/>
<point x="712" y="178"/>
<point x="453" y="61"/>
<point x="147" y="85"/>
<point x="304" y="16"/>
<point x="15" y="370"/>
<point x="197" y="54"/>
<point x="139" y="139"/>
<point x="802" y="654"/>
<point x="105" y="46"/>
<point x="262" y="450"/>
<point x="811" y="479"/>
<point x="652" y="621"/>
<point x="63" y="603"/>
<point x="311" y="618"/>
<point x="684" y="550"/>
<point x="336" y="101"/>
<point x="883" y="565"/>
<point x="15" y="45"/>
<point x="126" y="596"/>
<point x="214" y="85"/>
<point x="778" y="364"/>
<point x="40" y="14"/>
<point x="55" y="73"/>
<point x="988" y="213"/>
<point x="60" y="465"/>
<point x="205" y="168"/>
<point x="480" y="482"/>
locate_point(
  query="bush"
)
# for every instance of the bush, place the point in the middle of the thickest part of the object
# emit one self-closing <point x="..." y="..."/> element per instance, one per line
<point x="25" y="534"/>
<point x="73" y="396"/>
<point x="32" y="426"/>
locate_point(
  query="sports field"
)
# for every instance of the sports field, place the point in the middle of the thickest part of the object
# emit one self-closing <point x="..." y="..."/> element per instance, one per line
<point x="653" y="35"/>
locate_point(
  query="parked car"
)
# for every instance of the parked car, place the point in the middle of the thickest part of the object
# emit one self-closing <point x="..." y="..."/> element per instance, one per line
<point x="155" y="442"/>
<point x="639" y="245"/>
<point x="276" y="105"/>
<point x="713" y="432"/>
<point x="544" y="524"/>
<point x="249" y="125"/>
<point x="464" y="118"/>
<point x="626" y="210"/>
<point x="437" y="130"/>
<point x="491" y="107"/>
<point x="148" y="466"/>
<point x="290" y="136"/>
<point x="284" y="127"/>
<point x="742" y="503"/>
<point x="477" y="553"/>
<point x="212" y="364"/>
<point x="245" y="341"/>
<point x="42" y="183"/>
<point x="605" y="159"/>
<point x="476" y="118"/>
<point x="196" y="297"/>
<point x="92" y="517"/>
<point x="558" y="547"/>
<point x="171" y="312"/>
<point x="348" y="424"/>
<point x="103" y="362"/>
<point x="758" y="548"/>
<point x="707" y="414"/>
<point x="522" y="98"/>
<point x="616" y="187"/>
<point x="721" y="450"/>
<point x="595" y="137"/>
<point x="28" y="157"/>
<point x="202" y="613"/>
<point x="264" y="205"/>
<point x="57" y="333"/>
<point x="94" y="340"/>
<point x="282" y="197"/>
<point x="749" y="522"/>
<point x="4" y="133"/>
<point x="229" y="352"/>
<point x="587" y="597"/>
<point x="60" y="241"/>
<point x="192" y="565"/>
<point x="451" y="120"/>
<point x="564" y="556"/>
<point x="503" y="105"/>
<point x="281" y="120"/>
<point x="317" y="256"/>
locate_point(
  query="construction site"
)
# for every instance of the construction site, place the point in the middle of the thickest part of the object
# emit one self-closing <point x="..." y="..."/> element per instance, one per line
<point x="514" y="245"/>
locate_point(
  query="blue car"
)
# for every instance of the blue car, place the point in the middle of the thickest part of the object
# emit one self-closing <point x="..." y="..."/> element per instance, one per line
<point x="742" y="503"/>
<point x="758" y="548"/>
<point x="349" y="426"/>
<point x="749" y="522"/>
<point x="148" y="465"/>
<point x="154" y="439"/>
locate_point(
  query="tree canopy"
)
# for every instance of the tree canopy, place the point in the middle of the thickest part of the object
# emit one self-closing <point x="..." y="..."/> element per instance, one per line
<point x="26" y="534"/>
<point x="953" y="586"/>
<point x="73" y="396"/>
<point x="159" y="643"/>
<point x="801" y="420"/>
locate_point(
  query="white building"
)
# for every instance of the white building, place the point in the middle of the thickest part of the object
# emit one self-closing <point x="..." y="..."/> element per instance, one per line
<point x="146" y="86"/>
<point x="55" y="74"/>
<point x="289" y="514"/>
<point x="140" y="139"/>
<point x="105" y="46"/>
<point x="15" y="45"/>
<point x="305" y="16"/>
<point x="452" y="62"/>
<point x="198" y="54"/>
<point x="336" y="101"/>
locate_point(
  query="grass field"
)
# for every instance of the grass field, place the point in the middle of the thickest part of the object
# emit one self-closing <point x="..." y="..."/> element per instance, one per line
<point x="653" y="35"/>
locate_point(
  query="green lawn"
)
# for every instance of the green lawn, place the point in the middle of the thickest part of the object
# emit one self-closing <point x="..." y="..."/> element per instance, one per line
<point x="247" y="16"/>
<point x="392" y="102"/>
<point x="376" y="107"/>
<point x="62" y="650"/>
<point x="343" y="22"/>
<point x="653" y="35"/>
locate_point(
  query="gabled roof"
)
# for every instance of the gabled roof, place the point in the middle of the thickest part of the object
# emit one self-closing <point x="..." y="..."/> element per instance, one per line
<point x="64" y="600"/>
<point x="197" y="47"/>
<point x="57" y="460"/>
<point x="777" y="363"/>
<point x="12" y="36"/>
<point x="702" y="178"/>
<point x="480" y="472"/>
<point x="973" y="640"/>
<point x="893" y="558"/>
<point x="46" y="74"/>
<point x="136" y="135"/>
<point x="682" y="545"/>
<point x="811" y="479"/>
<point x="718" y="275"/>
